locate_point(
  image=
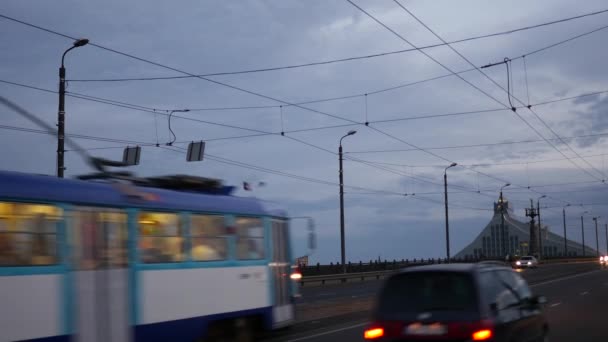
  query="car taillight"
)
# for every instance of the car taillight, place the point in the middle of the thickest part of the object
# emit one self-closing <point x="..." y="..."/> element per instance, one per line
<point x="384" y="329"/>
<point x="482" y="335"/>
<point x="373" y="333"/>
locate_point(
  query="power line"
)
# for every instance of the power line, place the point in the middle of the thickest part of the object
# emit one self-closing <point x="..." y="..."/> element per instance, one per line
<point x="501" y="87"/>
<point x="318" y="100"/>
<point x="476" y="145"/>
<point x="225" y="84"/>
<point x="140" y="143"/>
<point x="331" y="61"/>
<point x="442" y="65"/>
<point x="110" y="102"/>
<point x="313" y="180"/>
<point x="262" y="133"/>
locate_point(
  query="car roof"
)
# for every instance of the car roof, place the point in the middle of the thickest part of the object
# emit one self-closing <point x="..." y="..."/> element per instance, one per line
<point x="459" y="267"/>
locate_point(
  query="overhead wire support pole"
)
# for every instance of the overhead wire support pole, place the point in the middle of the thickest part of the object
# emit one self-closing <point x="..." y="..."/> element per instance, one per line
<point x="447" y="222"/>
<point x="565" y="238"/>
<point x="341" y="176"/>
<point x="540" y="227"/>
<point x="597" y="239"/>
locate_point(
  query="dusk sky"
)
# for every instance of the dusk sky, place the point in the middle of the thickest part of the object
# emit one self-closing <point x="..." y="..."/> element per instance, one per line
<point x="556" y="149"/>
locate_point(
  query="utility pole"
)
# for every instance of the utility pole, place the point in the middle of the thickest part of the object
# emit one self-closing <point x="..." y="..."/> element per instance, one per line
<point x="61" y="111"/>
<point x="540" y="228"/>
<point x="607" y="239"/>
<point x="565" y="238"/>
<point x="342" y="242"/>
<point x="447" y="222"/>
<point x="597" y="239"/>
<point x="583" y="232"/>
<point x="531" y="213"/>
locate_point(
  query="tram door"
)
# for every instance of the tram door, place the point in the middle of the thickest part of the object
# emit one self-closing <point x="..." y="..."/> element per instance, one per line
<point x="101" y="303"/>
<point x="283" y="312"/>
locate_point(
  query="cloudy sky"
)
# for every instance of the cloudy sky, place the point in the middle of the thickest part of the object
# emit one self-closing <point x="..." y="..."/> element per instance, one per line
<point x="538" y="152"/>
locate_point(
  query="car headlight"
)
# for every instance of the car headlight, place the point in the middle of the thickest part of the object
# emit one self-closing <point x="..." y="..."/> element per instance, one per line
<point x="518" y="263"/>
<point x="529" y="263"/>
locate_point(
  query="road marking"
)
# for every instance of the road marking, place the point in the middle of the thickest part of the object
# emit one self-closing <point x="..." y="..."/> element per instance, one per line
<point x="327" y="332"/>
<point x="554" y="305"/>
<point x="584" y="293"/>
<point x="564" y="278"/>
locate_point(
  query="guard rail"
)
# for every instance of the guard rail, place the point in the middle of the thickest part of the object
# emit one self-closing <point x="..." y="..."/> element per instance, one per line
<point x="377" y="275"/>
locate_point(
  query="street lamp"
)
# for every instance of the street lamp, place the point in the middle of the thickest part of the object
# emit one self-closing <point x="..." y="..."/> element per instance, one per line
<point x="447" y="224"/>
<point x="583" y="231"/>
<point x="540" y="227"/>
<point x="61" y="112"/>
<point x="565" y="239"/>
<point x="341" y="175"/>
<point x="502" y="218"/>
<point x="597" y="241"/>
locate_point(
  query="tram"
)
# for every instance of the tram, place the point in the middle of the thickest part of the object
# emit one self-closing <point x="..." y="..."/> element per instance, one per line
<point x="156" y="259"/>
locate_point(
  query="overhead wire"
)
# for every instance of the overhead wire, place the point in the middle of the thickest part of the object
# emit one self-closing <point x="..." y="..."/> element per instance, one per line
<point x="451" y="71"/>
<point x="285" y="174"/>
<point x="506" y="90"/>
<point x="207" y="79"/>
<point x="333" y="98"/>
<point x="301" y="65"/>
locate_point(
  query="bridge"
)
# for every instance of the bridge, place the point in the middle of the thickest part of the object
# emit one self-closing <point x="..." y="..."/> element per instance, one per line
<point x="338" y="311"/>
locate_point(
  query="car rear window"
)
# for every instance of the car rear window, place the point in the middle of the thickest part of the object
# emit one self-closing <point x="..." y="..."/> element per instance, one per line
<point x="428" y="291"/>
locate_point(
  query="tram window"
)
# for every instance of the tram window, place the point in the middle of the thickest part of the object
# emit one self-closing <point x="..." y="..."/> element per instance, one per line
<point x="28" y="234"/>
<point x="161" y="238"/>
<point x="250" y="238"/>
<point x="209" y="240"/>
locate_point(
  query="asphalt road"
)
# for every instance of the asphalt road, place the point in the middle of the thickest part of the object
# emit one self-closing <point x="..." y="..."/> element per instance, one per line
<point x="576" y="310"/>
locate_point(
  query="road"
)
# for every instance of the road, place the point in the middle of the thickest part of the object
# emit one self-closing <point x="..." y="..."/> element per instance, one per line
<point x="358" y="289"/>
<point x="575" y="309"/>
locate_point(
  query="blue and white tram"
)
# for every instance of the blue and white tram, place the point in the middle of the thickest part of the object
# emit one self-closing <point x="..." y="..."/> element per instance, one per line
<point x="89" y="261"/>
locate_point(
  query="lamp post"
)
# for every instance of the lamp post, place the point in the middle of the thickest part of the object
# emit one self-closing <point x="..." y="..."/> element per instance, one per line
<point x="540" y="227"/>
<point x="607" y="239"/>
<point x="447" y="223"/>
<point x="583" y="231"/>
<point x="341" y="175"/>
<point x="565" y="238"/>
<point x="61" y="112"/>
<point x="502" y="214"/>
<point x="597" y="239"/>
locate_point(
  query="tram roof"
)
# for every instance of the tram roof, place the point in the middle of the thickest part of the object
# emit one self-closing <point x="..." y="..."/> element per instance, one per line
<point x="45" y="188"/>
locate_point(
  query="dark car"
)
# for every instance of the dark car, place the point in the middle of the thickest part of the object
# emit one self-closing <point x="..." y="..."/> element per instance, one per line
<point x="457" y="302"/>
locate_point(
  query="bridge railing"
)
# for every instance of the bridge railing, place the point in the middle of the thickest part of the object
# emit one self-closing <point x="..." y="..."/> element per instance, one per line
<point x="379" y="269"/>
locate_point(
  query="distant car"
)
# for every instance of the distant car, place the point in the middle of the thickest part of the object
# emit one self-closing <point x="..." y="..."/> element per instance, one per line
<point x="457" y="302"/>
<point x="604" y="261"/>
<point x="526" y="262"/>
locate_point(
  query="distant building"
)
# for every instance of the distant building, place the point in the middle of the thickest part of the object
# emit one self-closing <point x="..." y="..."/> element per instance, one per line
<point x="492" y="242"/>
